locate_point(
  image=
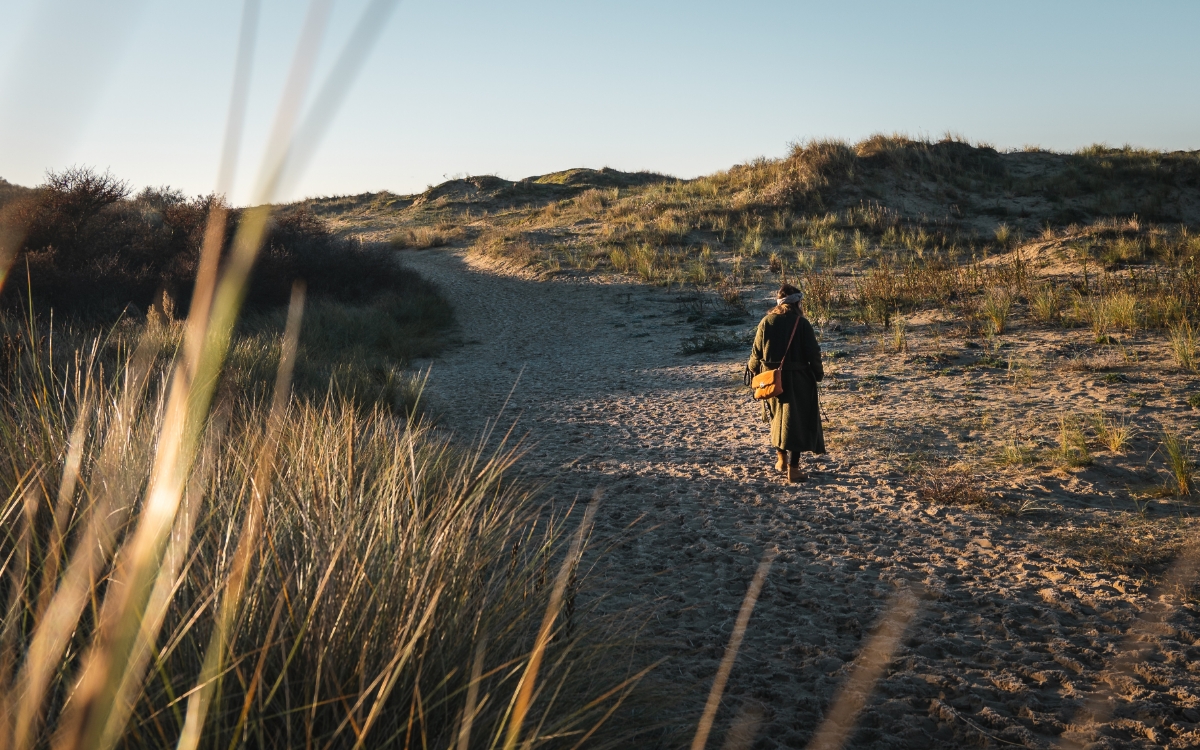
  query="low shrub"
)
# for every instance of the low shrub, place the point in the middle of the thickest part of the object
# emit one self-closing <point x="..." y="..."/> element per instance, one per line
<point x="713" y="344"/>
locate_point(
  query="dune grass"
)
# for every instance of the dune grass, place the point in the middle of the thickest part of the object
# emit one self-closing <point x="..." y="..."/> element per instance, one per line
<point x="1179" y="462"/>
<point x="393" y="577"/>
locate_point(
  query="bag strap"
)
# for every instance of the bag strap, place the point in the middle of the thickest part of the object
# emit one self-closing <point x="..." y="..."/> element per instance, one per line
<point x="790" y="338"/>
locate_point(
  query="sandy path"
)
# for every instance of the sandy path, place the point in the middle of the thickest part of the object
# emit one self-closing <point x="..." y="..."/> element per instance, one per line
<point x="1012" y="638"/>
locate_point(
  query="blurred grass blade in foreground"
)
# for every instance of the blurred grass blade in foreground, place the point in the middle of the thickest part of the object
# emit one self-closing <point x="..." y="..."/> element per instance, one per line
<point x="704" y="727"/>
<point x="231" y="598"/>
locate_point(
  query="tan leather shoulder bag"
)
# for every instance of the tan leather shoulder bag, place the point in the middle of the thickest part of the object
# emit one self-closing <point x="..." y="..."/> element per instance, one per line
<point x="770" y="383"/>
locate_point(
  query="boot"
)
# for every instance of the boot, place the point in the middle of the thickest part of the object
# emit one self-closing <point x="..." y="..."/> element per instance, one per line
<point x="794" y="474"/>
<point x="780" y="460"/>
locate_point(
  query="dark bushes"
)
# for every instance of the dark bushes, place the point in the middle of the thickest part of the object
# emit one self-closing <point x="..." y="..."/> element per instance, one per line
<point x="90" y="250"/>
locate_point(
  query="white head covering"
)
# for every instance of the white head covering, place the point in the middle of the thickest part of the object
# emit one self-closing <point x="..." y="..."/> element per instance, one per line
<point x="791" y="299"/>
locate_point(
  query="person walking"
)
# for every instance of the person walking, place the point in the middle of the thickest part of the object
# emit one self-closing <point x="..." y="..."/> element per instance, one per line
<point x="795" y="414"/>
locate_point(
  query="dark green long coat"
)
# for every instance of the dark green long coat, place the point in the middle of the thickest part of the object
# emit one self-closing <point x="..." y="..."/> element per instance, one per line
<point x="795" y="416"/>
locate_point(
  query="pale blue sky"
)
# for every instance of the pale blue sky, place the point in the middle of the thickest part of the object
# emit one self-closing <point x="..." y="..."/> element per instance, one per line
<point x="141" y="87"/>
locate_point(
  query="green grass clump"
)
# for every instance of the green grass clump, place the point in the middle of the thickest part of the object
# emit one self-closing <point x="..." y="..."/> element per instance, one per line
<point x="1114" y="433"/>
<point x="361" y="351"/>
<point x="1108" y="312"/>
<point x="1046" y="303"/>
<point x="712" y="344"/>
<point x="1014" y="453"/>
<point x="1184" y="347"/>
<point x="997" y="305"/>
<point x="1072" y="451"/>
<point x="1179" y="462"/>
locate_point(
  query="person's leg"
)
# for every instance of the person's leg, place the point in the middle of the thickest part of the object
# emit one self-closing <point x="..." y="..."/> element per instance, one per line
<point x="779" y="435"/>
<point x="794" y="472"/>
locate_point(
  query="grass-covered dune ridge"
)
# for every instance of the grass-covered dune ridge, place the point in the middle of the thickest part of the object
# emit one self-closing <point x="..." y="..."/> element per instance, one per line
<point x="885" y="226"/>
<point x="826" y="201"/>
<point x="950" y="179"/>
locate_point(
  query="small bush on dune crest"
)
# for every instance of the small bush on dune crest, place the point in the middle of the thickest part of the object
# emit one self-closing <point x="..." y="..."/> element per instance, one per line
<point x="393" y="571"/>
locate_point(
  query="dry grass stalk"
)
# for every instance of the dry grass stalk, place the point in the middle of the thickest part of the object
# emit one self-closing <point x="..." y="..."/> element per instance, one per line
<point x="704" y="727"/>
<point x="950" y="488"/>
<point x="525" y="692"/>
<point x="210" y="673"/>
<point x="468" y="719"/>
<point x="868" y="667"/>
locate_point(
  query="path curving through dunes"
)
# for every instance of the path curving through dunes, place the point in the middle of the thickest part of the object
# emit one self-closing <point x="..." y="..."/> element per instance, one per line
<point x="1014" y="642"/>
